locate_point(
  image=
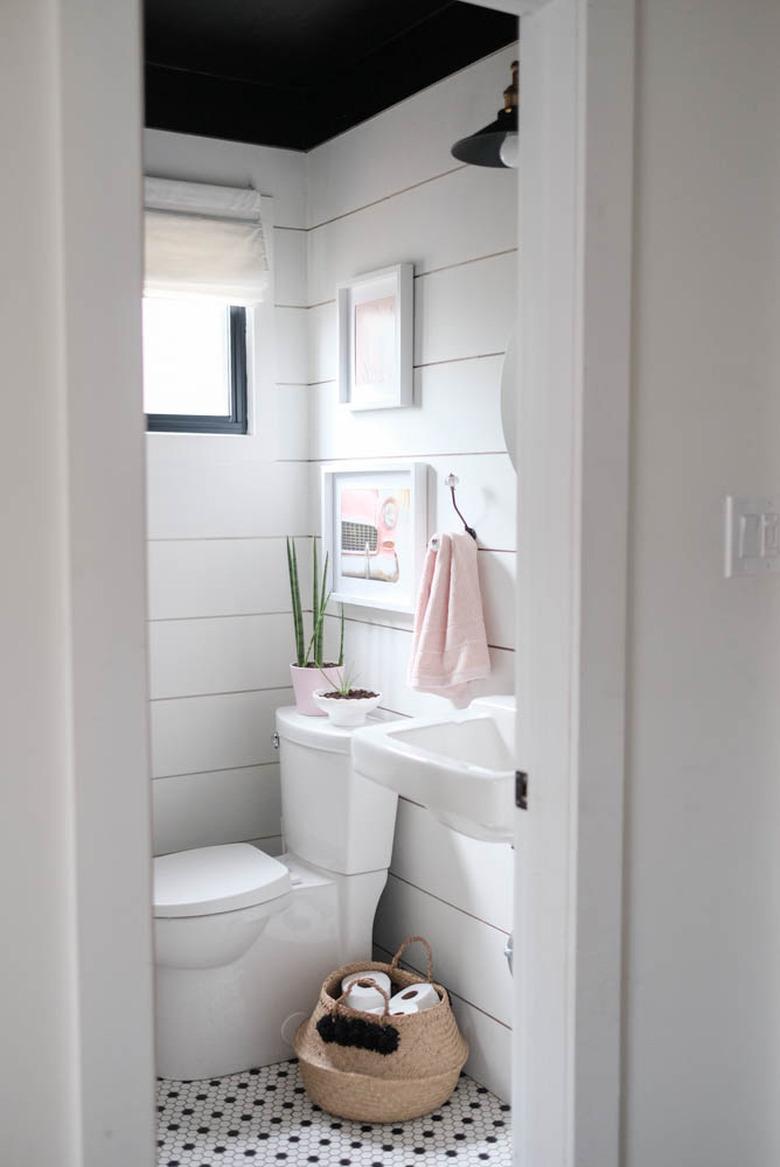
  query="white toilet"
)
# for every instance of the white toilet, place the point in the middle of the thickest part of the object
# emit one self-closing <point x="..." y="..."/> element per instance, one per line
<point x="243" y="940"/>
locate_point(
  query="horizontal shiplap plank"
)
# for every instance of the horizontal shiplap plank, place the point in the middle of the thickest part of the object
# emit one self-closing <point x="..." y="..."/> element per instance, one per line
<point x="490" y="1049"/>
<point x="380" y="654"/>
<point x="465" y="311"/>
<point x="497" y="581"/>
<point x="220" y="577"/>
<point x="463" y="215"/>
<point x="468" y="955"/>
<point x="457" y="410"/>
<point x="473" y="876"/>
<point x="291" y="327"/>
<point x="290" y="268"/>
<point x="220" y="654"/>
<point x="459" y="313"/>
<point x="220" y="493"/>
<point x="218" y="732"/>
<point x="292" y="422"/>
<point x="323" y="349"/>
<point x="382" y="156"/>
<point x="195" y="451"/>
<point x="281" y="420"/>
<point x="227" y="806"/>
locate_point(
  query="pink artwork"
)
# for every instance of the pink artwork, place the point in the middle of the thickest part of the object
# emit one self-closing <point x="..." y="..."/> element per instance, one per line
<point x="375" y="341"/>
<point x="374" y="532"/>
<point x="374" y="526"/>
<point x="375" y="326"/>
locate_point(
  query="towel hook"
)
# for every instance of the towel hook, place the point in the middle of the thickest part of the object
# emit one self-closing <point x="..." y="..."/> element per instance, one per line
<point x="452" y="481"/>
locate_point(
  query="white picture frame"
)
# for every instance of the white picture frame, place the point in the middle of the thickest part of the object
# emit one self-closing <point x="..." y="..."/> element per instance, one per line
<point x="374" y="530"/>
<point x="376" y="339"/>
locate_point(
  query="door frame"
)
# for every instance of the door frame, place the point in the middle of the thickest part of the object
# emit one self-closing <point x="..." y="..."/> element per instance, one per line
<point x="80" y="921"/>
<point x="576" y="192"/>
<point x="577" y="90"/>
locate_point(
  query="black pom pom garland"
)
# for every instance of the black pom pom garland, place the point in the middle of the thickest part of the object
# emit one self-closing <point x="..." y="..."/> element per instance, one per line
<point x="357" y="1032"/>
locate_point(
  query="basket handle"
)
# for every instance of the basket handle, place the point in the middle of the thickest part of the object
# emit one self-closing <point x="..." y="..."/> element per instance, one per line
<point x="367" y="983"/>
<point x="410" y="940"/>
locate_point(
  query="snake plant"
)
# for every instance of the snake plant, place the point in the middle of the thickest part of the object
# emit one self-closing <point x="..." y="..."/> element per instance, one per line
<point x="311" y="654"/>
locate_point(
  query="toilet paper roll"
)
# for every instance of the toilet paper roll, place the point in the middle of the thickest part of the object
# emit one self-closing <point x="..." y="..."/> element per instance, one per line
<point x="380" y="978"/>
<point x="400" y="1008"/>
<point x="365" y="998"/>
<point x="422" y="996"/>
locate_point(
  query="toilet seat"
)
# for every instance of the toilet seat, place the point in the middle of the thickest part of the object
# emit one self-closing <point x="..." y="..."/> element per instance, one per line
<point x="209" y="880"/>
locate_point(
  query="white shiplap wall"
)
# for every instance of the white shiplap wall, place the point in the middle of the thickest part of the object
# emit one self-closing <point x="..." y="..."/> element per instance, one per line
<point x="385" y="192"/>
<point x="218" y="511"/>
<point x="219" y="507"/>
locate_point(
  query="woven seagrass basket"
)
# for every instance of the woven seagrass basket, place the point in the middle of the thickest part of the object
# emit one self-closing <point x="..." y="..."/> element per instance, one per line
<point x="416" y="1071"/>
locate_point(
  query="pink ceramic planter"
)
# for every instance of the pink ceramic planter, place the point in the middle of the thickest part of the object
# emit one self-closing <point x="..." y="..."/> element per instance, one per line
<point x="306" y="680"/>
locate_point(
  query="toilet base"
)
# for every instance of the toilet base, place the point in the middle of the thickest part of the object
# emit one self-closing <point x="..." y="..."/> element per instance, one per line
<point x="216" y="1021"/>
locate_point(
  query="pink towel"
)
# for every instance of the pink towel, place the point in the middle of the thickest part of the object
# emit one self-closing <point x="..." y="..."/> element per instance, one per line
<point x="450" y="646"/>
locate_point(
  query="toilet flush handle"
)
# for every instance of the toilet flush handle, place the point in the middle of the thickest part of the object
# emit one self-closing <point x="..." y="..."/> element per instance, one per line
<point x="275" y="740"/>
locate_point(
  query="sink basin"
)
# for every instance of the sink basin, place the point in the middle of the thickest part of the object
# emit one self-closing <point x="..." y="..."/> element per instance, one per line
<point x="460" y="766"/>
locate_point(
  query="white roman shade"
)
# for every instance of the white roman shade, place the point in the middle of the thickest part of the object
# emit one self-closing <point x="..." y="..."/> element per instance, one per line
<point x="204" y="241"/>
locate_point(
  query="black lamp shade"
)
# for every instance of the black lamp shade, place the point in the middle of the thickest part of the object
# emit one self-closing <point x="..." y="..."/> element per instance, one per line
<point x="484" y="147"/>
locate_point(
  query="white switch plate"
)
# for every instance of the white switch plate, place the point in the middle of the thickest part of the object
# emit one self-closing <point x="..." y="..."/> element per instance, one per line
<point x="752" y="536"/>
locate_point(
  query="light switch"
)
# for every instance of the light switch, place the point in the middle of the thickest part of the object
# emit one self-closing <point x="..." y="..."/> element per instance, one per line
<point x="770" y="535"/>
<point x="750" y="529"/>
<point x="752" y="536"/>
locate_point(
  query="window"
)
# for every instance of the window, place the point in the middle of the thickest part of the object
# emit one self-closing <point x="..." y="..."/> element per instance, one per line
<point x="195" y="369"/>
<point x="205" y="263"/>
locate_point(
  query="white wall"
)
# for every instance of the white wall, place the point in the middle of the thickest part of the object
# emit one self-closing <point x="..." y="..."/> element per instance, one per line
<point x="35" y="826"/>
<point x="76" y="1072"/>
<point x="219" y="508"/>
<point x="702" y="1030"/>
<point x="385" y="192"/>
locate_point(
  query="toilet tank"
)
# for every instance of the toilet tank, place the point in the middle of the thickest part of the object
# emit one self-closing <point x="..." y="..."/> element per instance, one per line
<point x="331" y="817"/>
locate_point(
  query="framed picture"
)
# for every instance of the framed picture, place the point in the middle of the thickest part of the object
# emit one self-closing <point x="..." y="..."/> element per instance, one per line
<point x="374" y="530"/>
<point x="376" y="323"/>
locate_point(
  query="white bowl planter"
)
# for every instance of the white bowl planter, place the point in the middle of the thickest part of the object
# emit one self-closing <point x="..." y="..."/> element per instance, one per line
<point x="346" y="711"/>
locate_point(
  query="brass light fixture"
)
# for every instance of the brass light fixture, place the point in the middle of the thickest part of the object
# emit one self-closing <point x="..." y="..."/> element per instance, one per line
<point x="495" y="144"/>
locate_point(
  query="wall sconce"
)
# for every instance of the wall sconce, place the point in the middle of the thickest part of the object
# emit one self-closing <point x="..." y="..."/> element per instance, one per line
<point x="496" y="144"/>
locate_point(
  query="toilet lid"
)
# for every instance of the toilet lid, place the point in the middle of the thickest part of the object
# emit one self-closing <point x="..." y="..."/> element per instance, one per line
<point x="216" y="879"/>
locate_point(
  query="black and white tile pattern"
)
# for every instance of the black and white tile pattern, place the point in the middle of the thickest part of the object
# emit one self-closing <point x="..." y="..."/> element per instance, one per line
<point x="264" y="1117"/>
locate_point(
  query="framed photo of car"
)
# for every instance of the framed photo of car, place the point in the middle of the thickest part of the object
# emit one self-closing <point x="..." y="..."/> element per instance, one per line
<point x="374" y="529"/>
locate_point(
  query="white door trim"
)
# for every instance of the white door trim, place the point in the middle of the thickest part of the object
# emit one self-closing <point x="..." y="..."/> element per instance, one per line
<point x="98" y="141"/>
<point x="576" y="193"/>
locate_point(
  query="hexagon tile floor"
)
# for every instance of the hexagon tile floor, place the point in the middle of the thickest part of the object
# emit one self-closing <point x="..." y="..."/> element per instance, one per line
<point x="264" y="1117"/>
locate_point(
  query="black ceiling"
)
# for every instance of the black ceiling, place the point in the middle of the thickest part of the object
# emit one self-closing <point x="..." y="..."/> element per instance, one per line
<point x="294" y="73"/>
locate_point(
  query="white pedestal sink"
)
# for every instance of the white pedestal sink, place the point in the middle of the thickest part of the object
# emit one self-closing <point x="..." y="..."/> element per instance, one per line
<point x="460" y="766"/>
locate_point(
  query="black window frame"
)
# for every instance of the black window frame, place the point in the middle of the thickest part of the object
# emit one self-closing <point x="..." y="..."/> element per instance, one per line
<point x="236" y="422"/>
